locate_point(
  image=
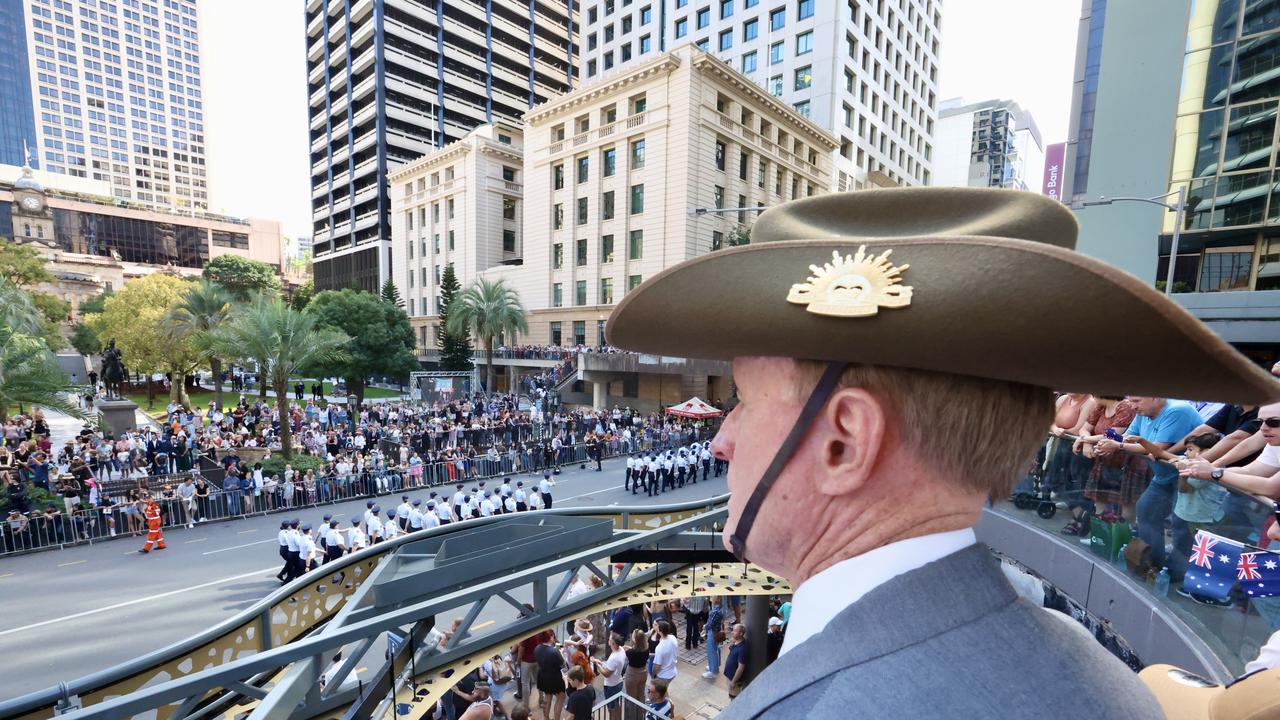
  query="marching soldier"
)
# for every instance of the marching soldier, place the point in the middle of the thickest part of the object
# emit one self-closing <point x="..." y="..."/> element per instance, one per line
<point x="415" y="516"/>
<point x="520" y="497"/>
<point x="282" y="538"/>
<point x="391" y="528"/>
<point x="403" y="513"/>
<point x="705" y="456"/>
<point x="296" y="566"/>
<point x="335" y="546"/>
<point x="429" y="518"/>
<point x="309" y="550"/>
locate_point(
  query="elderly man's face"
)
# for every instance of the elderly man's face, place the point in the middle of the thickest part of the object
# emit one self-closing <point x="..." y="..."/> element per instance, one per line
<point x="1147" y="406"/>
<point x="748" y="439"/>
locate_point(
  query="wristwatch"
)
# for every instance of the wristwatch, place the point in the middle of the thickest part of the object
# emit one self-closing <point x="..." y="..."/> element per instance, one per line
<point x="1217" y="473"/>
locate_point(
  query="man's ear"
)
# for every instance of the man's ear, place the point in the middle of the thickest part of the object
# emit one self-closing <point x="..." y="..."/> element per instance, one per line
<point x="853" y="426"/>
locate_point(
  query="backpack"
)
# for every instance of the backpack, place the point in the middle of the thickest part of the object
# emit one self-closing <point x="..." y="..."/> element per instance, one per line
<point x="501" y="671"/>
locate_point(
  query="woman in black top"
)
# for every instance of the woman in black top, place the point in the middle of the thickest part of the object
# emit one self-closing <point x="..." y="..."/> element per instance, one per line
<point x="637" y="651"/>
<point x="550" y="681"/>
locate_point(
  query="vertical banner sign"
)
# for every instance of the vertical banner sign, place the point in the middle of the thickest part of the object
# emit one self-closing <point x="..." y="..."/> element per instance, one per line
<point x="1053" y="158"/>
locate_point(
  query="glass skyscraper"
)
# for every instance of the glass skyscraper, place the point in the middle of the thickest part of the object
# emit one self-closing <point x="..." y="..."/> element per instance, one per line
<point x="17" y="116"/>
<point x="390" y="80"/>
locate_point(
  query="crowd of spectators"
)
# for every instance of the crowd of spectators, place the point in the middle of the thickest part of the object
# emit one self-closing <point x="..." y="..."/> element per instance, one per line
<point x="1167" y="468"/>
<point x="552" y="352"/>
<point x="206" y="464"/>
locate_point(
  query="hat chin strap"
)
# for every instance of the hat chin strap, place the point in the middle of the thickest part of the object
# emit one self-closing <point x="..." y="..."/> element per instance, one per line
<point x="821" y="392"/>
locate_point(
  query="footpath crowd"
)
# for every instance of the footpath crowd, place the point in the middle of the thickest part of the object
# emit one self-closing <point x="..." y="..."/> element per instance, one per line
<point x="633" y="650"/>
<point x="196" y="466"/>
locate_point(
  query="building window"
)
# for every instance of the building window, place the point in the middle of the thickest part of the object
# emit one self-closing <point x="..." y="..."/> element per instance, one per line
<point x="743" y="163"/>
<point x="682" y="27"/>
<point x="646" y="44"/>
<point x="606" y="291"/>
<point x="637" y="199"/>
<point x="704" y="17"/>
<point x="508" y="209"/>
<point x="582" y="211"/>
<point x="646" y="14"/>
<point x="583" y="165"/>
<point x="804" y="77"/>
<point x="720" y="150"/>
<point x="557" y="256"/>
<point x="606" y="249"/>
<point x="435" y="243"/>
<point x="509" y="241"/>
<point x="593" y="15"/>
<point x="450" y="241"/>
<point x="448" y="208"/>
<point x="557" y="295"/>
<point x="704" y="45"/>
<point x="717" y="240"/>
<point x="802" y="108"/>
<point x="558" y="220"/>
<point x="717" y="194"/>
<point x="581" y="254"/>
<point x="726" y="40"/>
<point x="726" y="8"/>
<point x="579" y="296"/>
<point x="778" y="19"/>
<point x="508" y="174"/>
<point x="412" y="310"/>
<point x="580" y="326"/>
<point x="775" y="86"/>
<point x="775" y="52"/>
<point x="608" y="60"/>
<point x="637" y="154"/>
<point x="749" y="63"/>
<point x="633" y="282"/>
<point x="750" y="30"/>
<point x="804" y="43"/>
<point x="742" y="214"/>
<point x="1225" y="270"/>
<point x="608" y="33"/>
<point x="625" y="52"/>
<point x="638" y="104"/>
<point x="555" y="334"/>
<point x="626" y="25"/>
<point x="504" y="139"/>
<point x="557" y="176"/>
<point x="610" y="162"/>
<point x="804" y="9"/>
<point x="635" y="245"/>
<point x="606" y="206"/>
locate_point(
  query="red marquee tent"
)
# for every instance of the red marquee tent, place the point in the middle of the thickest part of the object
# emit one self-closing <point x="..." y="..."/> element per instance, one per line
<point x="694" y="408"/>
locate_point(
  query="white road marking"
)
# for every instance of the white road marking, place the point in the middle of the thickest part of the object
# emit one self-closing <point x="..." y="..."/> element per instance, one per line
<point x="127" y="603"/>
<point x="6" y="575"/>
<point x="246" y="532"/>
<point x="73" y="562"/>
<point x="237" y="547"/>
<point x="188" y="542"/>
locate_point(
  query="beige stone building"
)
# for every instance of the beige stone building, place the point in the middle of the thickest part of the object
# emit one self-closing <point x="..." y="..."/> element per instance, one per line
<point x="459" y="205"/>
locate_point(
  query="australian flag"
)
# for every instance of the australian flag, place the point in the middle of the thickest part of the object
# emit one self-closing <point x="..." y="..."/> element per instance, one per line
<point x="1217" y="563"/>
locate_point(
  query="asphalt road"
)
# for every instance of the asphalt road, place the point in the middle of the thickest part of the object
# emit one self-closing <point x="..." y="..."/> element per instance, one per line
<point x="71" y="612"/>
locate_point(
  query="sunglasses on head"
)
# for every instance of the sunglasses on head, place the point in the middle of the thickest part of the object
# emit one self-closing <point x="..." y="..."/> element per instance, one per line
<point x="1271" y="422"/>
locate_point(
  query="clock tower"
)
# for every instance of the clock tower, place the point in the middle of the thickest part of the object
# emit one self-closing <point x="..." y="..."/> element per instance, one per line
<point x="32" y="217"/>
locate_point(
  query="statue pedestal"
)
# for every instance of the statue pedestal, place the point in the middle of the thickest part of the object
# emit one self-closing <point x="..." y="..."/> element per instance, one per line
<point x="118" y="415"/>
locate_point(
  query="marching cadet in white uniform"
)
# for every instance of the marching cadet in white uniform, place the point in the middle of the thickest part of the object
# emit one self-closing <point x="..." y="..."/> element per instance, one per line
<point x="486" y="505"/>
<point x="631" y="466"/>
<point x="457" y="501"/>
<point x="442" y="511"/>
<point x="374" y="526"/>
<point x="403" y="513"/>
<point x="356" y="539"/>
<point x="391" y="528"/>
<point x="668" y="466"/>
<point x="704" y="454"/>
<point x="296" y="566"/>
<point x="335" y="547"/>
<point x="520" y="497"/>
<point x="368" y="511"/>
<point x="535" y="501"/>
<point x="415" y="517"/>
<point x="509" y="505"/>
<point x="682" y="467"/>
<point x="544" y="489"/>
<point x="309" y="549"/>
<point x="282" y="537"/>
<point x="651" y="475"/>
<point x="429" y="518"/>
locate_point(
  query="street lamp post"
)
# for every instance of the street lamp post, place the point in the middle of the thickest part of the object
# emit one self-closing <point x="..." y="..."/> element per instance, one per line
<point x="1179" y="208"/>
<point x="704" y="211"/>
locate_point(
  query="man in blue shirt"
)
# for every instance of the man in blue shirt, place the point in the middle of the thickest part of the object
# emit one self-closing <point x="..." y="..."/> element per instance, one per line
<point x="1164" y="423"/>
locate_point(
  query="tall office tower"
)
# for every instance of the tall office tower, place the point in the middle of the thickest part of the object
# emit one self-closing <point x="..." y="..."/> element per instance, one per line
<point x="115" y="95"/>
<point x="864" y="70"/>
<point x="994" y="143"/>
<point x="391" y="80"/>
<point x="17" y="114"/>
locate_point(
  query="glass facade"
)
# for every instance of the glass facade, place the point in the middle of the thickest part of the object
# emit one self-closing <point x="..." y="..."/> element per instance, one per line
<point x="1225" y="147"/>
<point x="17" y="115"/>
<point x="1089" y="99"/>
<point x="133" y="240"/>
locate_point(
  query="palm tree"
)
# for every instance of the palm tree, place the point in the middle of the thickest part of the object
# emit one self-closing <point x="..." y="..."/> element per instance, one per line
<point x="29" y="372"/>
<point x="487" y="310"/>
<point x="202" y="310"/>
<point x="283" y="340"/>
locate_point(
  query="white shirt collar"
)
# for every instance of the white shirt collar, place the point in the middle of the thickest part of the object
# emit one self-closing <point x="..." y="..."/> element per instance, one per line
<point x="820" y="598"/>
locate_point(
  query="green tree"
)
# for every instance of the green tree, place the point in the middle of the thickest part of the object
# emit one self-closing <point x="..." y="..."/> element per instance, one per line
<point x="487" y="310"/>
<point x="455" y="348"/>
<point x="29" y="372"/>
<point x="739" y="236"/>
<point x="83" y="337"/>
<point x="284" y="341"/>
<point x="197" y="316"/>
<point x="302" y="295"/>
<point x="135" y="317"/>
<point x="25" y="267"/>
<point x="242" y="276"/>
<point x="391" y="294"/>
<point x="381" y="338"/>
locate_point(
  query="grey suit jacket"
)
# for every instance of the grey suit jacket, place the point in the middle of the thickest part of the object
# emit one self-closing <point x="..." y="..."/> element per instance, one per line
<point x="947" y="640"/>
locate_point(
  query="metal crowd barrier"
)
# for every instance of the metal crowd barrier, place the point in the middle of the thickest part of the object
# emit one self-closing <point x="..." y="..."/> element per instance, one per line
<point x="79" y="524"/>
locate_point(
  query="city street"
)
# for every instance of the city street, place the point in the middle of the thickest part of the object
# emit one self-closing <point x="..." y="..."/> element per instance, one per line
<point x="76" y="611"/>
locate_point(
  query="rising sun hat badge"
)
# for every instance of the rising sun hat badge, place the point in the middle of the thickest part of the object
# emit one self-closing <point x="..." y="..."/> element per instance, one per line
<point x="853" y="286"/>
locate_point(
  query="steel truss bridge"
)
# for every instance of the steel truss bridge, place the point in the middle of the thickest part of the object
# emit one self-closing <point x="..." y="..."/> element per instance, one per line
<point x="267" y="661"/>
